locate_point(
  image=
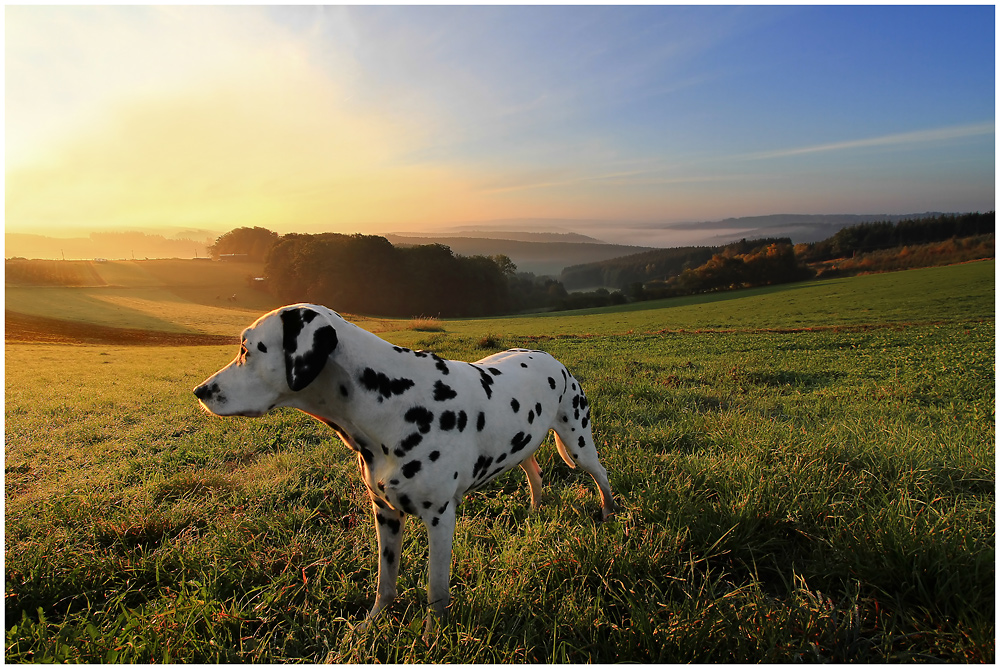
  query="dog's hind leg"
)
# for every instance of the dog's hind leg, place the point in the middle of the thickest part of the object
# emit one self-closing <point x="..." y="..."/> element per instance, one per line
<point x="584" y="453"/>
<point x="534" y="472"/>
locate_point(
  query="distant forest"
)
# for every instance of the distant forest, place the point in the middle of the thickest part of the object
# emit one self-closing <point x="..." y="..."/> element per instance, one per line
<point x="367" y="274"/>
<point x="662" y="265"/>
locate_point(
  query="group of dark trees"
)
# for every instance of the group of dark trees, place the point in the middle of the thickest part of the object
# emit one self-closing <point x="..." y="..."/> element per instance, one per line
<point x="367" y="274"/>
<point x="763" y="265"/>
<point x="867" y="237"/>
<point x="657" y="265"/>
<point x="249" y="243"/>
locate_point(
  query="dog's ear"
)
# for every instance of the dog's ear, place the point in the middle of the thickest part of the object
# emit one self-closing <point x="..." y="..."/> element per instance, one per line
<point x="306" y="346"/>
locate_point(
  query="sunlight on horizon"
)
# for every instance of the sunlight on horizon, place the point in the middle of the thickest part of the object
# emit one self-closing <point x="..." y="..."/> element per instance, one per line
<point x="381" y="119"/>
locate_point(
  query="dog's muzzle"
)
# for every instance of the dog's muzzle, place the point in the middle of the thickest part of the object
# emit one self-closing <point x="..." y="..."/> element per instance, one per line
<point x="207" y="392"/>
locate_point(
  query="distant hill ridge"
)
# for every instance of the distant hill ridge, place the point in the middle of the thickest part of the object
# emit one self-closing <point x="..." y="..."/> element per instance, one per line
<point x="510" y="235"/>
<point x="546" y="258"/>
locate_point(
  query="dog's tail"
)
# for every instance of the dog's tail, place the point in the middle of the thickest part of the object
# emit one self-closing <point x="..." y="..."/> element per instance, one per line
<point x="562" y="451"/>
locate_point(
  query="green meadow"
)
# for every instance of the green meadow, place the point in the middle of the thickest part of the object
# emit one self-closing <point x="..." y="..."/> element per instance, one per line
<point x="805" y="473"/>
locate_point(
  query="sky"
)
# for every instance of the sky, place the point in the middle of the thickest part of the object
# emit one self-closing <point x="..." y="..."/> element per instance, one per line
<point x="377" y="119"/>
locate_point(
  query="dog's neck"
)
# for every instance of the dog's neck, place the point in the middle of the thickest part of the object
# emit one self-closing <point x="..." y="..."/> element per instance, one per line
<point x="364" y="384"/>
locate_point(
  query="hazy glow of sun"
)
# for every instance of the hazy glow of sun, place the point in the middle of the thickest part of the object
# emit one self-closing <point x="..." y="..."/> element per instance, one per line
<point x="246" y="132"/>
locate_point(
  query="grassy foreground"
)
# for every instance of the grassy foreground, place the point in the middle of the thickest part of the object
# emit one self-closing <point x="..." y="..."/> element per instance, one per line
<point x="804" y="494"/>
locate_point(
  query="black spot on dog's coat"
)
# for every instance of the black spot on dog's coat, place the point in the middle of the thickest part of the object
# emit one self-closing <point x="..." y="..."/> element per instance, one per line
<point x="261" y="347"/>
<point x="462" y="420"/>
<point x="479" y="469"/>
<point x="434" y="456"/>
<point x="494" y="371"/>
<point x="552" y="383"/>
<point x="582" y="442"/>
<point x="406" y="505"/>
<point x="440" y="364"/>
<point x="421" y="416"/>
<point x="538" y="408"/>
<point x="515" y="405"/>
<point x="443" y="392"/>
<point x="408" y="444"/>
<point x="377" y="382"/>
<point x="448" y="420"/>
<point x="411" y="468"/>
<point x="519" y="441"/>
<point x="487" y="381"/>
<point x="389" y="555"/>
<point x="480" y="422"/>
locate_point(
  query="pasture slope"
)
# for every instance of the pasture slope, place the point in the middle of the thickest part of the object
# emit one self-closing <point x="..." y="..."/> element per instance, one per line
<point x="805" y="473"/>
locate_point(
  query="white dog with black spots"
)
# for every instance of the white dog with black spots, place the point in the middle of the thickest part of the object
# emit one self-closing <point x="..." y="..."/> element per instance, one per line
<point x="426" y="430"/>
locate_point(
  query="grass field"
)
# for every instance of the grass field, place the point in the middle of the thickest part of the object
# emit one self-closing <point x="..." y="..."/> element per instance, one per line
<point x="806" y="473"/>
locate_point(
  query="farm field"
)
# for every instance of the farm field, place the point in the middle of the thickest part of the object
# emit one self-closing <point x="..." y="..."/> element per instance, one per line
<point x="806" y="473"/>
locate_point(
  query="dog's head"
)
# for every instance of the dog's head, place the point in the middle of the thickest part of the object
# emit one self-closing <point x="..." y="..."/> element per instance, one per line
<point x="280" y="355"/>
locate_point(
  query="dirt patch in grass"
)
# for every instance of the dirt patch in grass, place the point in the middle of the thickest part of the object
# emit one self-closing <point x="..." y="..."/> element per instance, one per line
<point x="22" y="328"/>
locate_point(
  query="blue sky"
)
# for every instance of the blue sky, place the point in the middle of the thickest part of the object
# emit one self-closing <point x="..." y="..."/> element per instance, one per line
<point x="379" y="118"/>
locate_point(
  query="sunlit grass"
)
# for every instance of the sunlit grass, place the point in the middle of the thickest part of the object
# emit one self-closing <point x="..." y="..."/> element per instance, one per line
<point x="786" y="496"/>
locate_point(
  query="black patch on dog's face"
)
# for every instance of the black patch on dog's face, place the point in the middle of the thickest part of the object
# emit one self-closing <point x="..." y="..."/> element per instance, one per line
<point x="302" y="367"/>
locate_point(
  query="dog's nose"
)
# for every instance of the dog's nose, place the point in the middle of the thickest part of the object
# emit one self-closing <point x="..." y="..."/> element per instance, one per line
<point x="203" y="392"/>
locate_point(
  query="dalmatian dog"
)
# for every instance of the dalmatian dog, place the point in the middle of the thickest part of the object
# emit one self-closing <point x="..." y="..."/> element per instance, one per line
<point x="426" y="430"/>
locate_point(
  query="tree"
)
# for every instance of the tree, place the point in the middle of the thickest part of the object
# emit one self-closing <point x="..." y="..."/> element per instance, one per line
<point x="254" y="243"/>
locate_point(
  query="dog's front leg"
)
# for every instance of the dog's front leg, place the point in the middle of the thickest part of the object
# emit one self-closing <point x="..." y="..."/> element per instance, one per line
<point x="440" y="534"/>
<point x="389" y="523"/>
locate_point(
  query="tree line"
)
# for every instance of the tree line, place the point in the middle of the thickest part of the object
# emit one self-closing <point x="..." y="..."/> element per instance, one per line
<point x="879" y="235"/>
<point x="656" y="265"/>
<point x="367" y="274"/>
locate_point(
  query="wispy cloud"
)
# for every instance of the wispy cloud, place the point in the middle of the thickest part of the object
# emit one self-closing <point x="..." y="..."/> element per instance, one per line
<point x="895" y="139"/>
